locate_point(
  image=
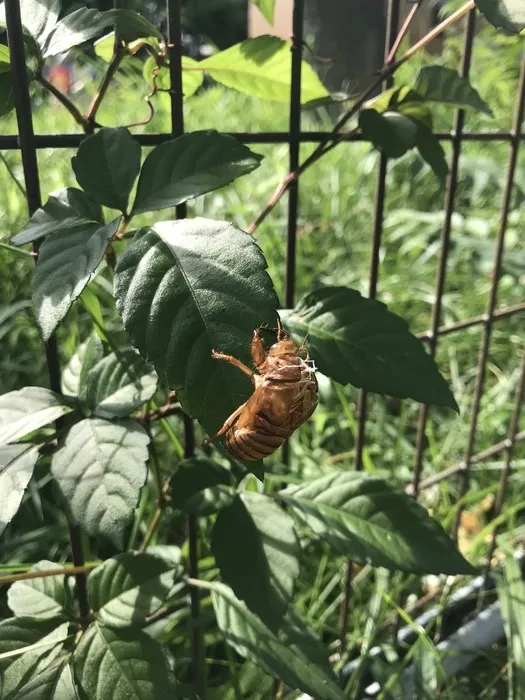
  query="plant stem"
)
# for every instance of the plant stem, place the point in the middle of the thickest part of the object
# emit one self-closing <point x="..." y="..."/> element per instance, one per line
<point x="71" y="108"/>
<point x="75" y="536"/>
<point x="112" y="68"/>
<point x="331" y="140"/>
<point x="13" y="176"/>
<point x="64" y="571"/>
<point x="404" y="29"/>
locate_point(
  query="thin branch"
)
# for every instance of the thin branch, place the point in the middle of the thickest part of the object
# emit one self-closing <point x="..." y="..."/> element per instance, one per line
<point x="334" y="136"/>
<point x="169" y="409"/>
<point x="112" y="68"/>
<point x="71" y="108"/>
<point x="152" y="528"/>
<point x="13" y="176"/>
<point x="402" y="32"/>
<point x="64" y="571"/>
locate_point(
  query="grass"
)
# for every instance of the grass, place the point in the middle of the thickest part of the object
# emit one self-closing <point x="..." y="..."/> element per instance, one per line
<point x="334" y="238"/>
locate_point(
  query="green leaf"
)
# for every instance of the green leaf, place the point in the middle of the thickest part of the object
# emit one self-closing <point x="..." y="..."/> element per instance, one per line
<point x="267" y="9"/>
<point x="195" y="486"/>
<point x="27" y="678"/>
<point x="66" y="263"/>
<point x="100" y="469"/>
<point x="76" y="371"/>
<point x="5" y="64"/>
<point x="295" y="634"/>
<point x="189" y="166"/>
<point x="184" y="288"/>
<point x="257" y="551"/>
<point x="16" y="468"/>
<point x="76" y="28"/>
<point x="17" y="633"/>
<point x="39" y="17"/>
<point x="131" y="25"/>
<point x="511" y="594"/>
<point x="6" y="93"/>
<point x="262" y="67"/>
<point x="121" y="665"/>
<point x="26" y="410"/>
<point x="431" y="150"/>
<point x="444" y="85"/>
<point x="52" y="682"/>
<point x="359" y="341"/>
<point x="127" y="589"/>
<point x="65" y="210"/>
<point x="104" y="47"/>
<point x="391" y="133"/>
<point x="42" y="598"/>
<point x="106" y="165"/>
<point x="192" y="75"/>
<point x="253" y="640"/>
<point x="119" y="384"/>
<point x="373" y="523"/>
<point x="505" y="14"/>
<point x="64" y="688"/>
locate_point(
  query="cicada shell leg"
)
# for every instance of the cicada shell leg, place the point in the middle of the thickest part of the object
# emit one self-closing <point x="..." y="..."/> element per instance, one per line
<point x="226" y="425"/>
<point x="233" y="361"/>
<point x="281" y="333"/>
<point x="258" y="349"/>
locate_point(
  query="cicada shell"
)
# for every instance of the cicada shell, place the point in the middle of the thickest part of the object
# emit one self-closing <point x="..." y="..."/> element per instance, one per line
<point x="284" y="397"/>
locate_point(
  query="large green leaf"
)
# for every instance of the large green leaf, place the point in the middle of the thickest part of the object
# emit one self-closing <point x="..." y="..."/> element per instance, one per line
<point x="359" y="341"/>
<point x="189" y="166"/>
<point x="257" y="551"/>
<point x="446" y="86"/>
<point x="201" y="486"/>
<point x="93" y="354"/>
<point x="106" y="165"/>
<point x="371" y="522"/>
<point x="431" y="150"/>
<point x="6" y="83"/>
<point x="131" y="25"/>
<point x="75" y="373"/>
<point x="295" y="633"/>
<point x="17" y="633"/>
<point x="53" y="682"/>
<point x="121" y="665"/>
<point x="100" y="469"/>
<point x="65" y="210"/>
<point x="76" y="28"/>
<point x="19" y="680"/>
<point x="39" y="17"/>
<point x="262" y="67"/>
<point x="66" y="263"/>
<point x="26" y="410"/>
<point x="16" y="468"/>
<point x="43" y="598"/>
<point x="119" y="384"/>
<point x="507" y="14"/>
<point x="184" y="288"/>
<point x="125" y="590"/>
<point x="392" y="133"/>
<point x="267" y="8"/>
<point x="252" y="639"/>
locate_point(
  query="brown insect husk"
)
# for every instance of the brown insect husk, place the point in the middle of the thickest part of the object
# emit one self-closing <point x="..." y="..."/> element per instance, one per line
<point x="285" y="396"/>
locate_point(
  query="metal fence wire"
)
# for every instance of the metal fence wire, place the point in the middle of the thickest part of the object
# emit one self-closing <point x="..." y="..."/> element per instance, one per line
<point x="28" y="143"/>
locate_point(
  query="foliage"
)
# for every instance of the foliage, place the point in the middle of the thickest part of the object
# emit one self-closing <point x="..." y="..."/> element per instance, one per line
<point x="110" y="446"/>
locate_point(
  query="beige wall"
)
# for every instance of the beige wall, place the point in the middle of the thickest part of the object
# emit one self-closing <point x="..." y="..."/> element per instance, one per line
<point x="282" y="24"/>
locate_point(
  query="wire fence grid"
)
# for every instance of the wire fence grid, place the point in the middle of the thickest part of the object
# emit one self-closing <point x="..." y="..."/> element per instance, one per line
<point x="28" y="143"/>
